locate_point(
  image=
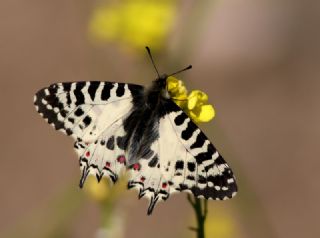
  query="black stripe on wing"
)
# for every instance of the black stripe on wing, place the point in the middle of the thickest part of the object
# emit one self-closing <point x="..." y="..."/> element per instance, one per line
<point x="214" y="178"/>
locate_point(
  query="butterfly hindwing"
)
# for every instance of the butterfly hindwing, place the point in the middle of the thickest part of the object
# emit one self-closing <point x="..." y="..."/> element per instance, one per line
<point x="105" y="156"/>
<point x="148" y="178"/>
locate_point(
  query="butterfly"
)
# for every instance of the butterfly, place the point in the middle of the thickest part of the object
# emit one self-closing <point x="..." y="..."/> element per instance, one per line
<point x="121" y="127"/>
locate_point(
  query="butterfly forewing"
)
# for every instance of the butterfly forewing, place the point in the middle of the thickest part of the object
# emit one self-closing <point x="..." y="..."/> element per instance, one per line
<point x="81" y="108"/>
<point x="214" y="178"/>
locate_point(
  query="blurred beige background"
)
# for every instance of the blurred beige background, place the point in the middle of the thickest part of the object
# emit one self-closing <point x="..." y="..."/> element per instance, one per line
<point x="257" y="60"/>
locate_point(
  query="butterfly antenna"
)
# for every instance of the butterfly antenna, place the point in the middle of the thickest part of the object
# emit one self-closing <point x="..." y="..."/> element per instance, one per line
<point x="154" y="65"/>
<point x="189" y="67"/>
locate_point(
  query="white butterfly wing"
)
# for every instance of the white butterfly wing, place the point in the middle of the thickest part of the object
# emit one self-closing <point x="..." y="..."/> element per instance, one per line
<point x="183" y="160"/>
<point x="92" y="113"/>
<point x="84" y="109"/>
<point x="205" y="172"/>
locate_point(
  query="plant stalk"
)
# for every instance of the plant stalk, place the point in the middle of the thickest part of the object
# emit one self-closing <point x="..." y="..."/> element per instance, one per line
<point x="200" y="207"/>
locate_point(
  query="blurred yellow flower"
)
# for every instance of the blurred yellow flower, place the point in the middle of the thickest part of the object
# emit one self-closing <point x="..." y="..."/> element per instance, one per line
<point x="194" y="104"/>
<point x="105" y="190"/>
<point x="135" y="23"/>
<point x="97" y="191"/>
<point x="221" y="224"/>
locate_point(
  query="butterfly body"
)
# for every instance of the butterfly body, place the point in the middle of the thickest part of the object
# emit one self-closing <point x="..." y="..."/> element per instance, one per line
<point x="121" y="127"/>
<point x="142" y="123"/>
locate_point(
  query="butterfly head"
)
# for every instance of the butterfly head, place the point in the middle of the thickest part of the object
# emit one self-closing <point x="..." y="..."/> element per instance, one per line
<point x="162" y="81"/>
<point x="160" y="84"/>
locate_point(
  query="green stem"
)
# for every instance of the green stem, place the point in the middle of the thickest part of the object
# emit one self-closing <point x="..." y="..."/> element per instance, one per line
<point x="200" y="207"/>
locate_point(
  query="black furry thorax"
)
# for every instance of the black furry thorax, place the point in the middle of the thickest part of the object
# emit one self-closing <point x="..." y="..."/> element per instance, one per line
<point x="157" y="92"/>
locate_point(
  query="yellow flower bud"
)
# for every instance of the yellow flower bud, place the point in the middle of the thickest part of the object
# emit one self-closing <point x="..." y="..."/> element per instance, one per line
<point x="176" y="89"/>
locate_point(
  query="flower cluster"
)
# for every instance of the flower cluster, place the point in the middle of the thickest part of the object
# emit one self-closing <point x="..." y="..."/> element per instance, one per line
<point x="194" y="104"/>
<point x="133" y="23"/>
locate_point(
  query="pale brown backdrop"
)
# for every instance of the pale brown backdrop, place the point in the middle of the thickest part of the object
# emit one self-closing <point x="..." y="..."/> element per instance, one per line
<point x="258" y="61"/>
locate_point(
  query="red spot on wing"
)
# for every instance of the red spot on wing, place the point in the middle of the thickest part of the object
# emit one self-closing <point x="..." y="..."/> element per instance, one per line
<point x="87" y="153"/>
<point x="108" y="164"/>
<point x="136" y="166"/>
<point x="164" y="185"/>
<point x="142" y="179"/>
<point x="121" y="159"/>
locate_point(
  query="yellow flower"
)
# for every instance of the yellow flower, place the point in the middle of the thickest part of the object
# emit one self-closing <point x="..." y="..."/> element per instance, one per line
<point x="97" y="191"/>
<point x="177" y="91"/>
<point x="198" y="109"/>
<point x="221" y="224"/>
<point x="194" y="104"/>
<point x="105" y="190"/>
<point x="135" y="23"/>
